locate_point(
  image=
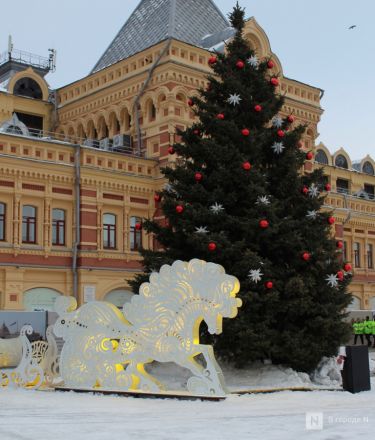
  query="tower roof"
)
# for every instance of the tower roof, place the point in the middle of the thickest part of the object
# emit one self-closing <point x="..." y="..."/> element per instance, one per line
<point x="154" y="21"/>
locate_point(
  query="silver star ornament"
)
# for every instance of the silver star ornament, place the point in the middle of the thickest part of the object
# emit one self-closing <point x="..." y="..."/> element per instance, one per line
<point x="202" y="230"/>
<point x="216" y="208"/>
<point x="277" y="122"/>
<point x="263" y="200"/>
<point x="253" y="61"/>
<point x="332" y="280"/>
<point x="255" y="275"/>
<point x="278" y="147"/>
<point x="313" y="190"/>
<point x="234" y="99"/>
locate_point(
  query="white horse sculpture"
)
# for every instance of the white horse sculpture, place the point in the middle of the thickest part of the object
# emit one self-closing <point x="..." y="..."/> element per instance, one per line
<point x="105" y="348"/>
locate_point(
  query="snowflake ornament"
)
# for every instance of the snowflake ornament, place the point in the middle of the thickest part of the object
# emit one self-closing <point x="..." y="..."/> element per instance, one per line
<point x="312" y="215"/>
<point x="277" y="122"/>
<point x="313" y="190"/>
<point x="234" y="99"/>
<point x="202" y="230"/>
<point x="278" y="147"/>
<point x="255" y="275"/>
<point x="253" y="61"/>
<point x="332" y="280"/>
<point x="216" y="208"/>
<point x="263" y="200"/>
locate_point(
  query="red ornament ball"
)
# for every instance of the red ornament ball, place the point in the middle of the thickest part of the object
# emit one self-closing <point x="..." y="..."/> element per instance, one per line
<point x="264" y="224"/>
<point x="245" y="132"/>
<point x="212" y="246"/>
<point x="291" y="119"/>
<point x="190" y="102"/>
<point x="340" y="244"/>
<point x="212" y="60"/>
<point x="309" y="155"/>
<point x="197" y="132"/>
<point x="198" y="177"/>
<point x="220" y="116"/>
<point x="179" y="209"/>
<point x="274" y="82"/>
<point x="281" y="133"/>
<point x="306" y="256"/>
<point x="327" y="187"/>
<point x="171" y="150"/>
<point x="258" y="108"/>
<point x="347" y="267"/>
<point x="268" y="284"/>
<point x="270" y="64"/>
<point x="240" y="64"/>
<point x="157" y="197"/>
<point x="246" y="166"/>
<point x="331" y="220"/>
<point x="305" y="190"/>
<point x="138" y="226"/>
<point x="340" y="275"/>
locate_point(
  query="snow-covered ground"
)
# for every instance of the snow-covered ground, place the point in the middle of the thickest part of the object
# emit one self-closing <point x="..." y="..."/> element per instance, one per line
<point x="42" y="415"/>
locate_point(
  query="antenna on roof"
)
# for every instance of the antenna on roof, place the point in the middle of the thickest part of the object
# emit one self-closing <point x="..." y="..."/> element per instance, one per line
<point x="10" y="46"/>
<point x="52" y="59"/>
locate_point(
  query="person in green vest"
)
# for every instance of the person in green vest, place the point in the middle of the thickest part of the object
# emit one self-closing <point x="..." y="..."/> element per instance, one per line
<point x="368" y="329"/>
<point x="373" y="330"/>
<point x="358" y="330"/>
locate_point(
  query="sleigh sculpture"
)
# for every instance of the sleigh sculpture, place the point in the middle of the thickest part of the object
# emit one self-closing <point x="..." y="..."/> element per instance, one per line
<point x="106" y="349"/>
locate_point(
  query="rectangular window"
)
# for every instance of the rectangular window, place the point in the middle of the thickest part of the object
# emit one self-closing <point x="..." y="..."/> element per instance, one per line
<point x="58" y="227"/>
<point x="2" y="221"/>
<point x="370" y="263"/>
<point x="342" y="186"/>
<point x="135" y="233"/>
<point x="369" y="190"/>
<point x="357" y="255"/>
<point x="345" y="251"/>
<point x="28" y="224"/>
<point x="109" y="231"/>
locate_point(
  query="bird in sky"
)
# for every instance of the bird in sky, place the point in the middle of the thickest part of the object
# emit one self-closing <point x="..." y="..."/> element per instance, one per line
<point x="353" y="26"/>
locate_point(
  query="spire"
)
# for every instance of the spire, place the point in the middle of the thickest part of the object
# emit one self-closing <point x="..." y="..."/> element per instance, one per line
<point x="154" y="21"/>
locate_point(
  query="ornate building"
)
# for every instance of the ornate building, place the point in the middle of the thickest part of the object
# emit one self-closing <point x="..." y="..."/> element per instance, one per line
<point x="80" y="165"/>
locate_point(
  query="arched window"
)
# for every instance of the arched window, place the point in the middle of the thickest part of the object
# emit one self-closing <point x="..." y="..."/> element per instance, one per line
<point x="321" y="157"/>
<point x="355" y="304"/>
<point x="119" y="297"/>
<point x="2" y="221"/>
<point x="151" y="110"/>
<point x="135" y="234"/>
<point x="28" y="87"/>
<point x="29" y="224"/>
<point x="368" y="168"/>
<point x="109" y="231"/>
<point x="341" y="161"/>
<point x="40" y="299"/>
<point x="58" y="227"/>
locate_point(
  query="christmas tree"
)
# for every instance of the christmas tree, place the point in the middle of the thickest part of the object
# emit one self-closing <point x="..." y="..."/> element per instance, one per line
<point x="236" y="196"/>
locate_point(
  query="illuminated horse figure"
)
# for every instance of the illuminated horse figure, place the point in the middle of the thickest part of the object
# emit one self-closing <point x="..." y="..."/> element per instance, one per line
<point x="104" y="348"/>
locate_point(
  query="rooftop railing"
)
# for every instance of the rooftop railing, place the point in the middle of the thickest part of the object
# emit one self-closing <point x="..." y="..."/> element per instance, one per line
<point x="28" y="58"/>
<point x="119" y="144"/>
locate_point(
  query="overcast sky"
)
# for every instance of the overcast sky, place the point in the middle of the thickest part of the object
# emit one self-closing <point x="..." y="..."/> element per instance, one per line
<point x="311" y="38"/>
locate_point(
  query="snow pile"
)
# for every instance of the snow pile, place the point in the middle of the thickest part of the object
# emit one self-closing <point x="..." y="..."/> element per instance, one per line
<point x="327" y="373"/>
<point x="261" y="376"/>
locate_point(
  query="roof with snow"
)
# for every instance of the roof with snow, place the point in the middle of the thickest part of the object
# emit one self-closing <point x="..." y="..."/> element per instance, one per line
<point x="197" y="22"/>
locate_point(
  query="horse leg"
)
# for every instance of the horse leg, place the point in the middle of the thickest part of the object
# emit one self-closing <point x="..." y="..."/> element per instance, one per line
<point x="211" y="374"/>
<point x="143" y="380"/>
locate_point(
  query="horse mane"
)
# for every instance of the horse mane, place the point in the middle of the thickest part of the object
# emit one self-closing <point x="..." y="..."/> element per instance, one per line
<point x="154" y="310"/>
